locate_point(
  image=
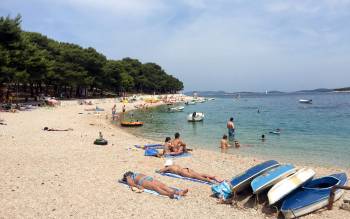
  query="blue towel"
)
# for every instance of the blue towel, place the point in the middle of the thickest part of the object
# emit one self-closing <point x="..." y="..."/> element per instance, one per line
<point x="179" y="156"/>
<point x="155" y="146"/>
<point x="177" y="197"/>
<point x="185" y="178"/>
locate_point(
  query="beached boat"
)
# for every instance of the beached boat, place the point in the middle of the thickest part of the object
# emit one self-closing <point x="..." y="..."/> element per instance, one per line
<point x="313" y="195"/>
<point x="289" y="184"/>
<point x="271" y="177"/>
<point x="305" y="101"/>
<point x="131" y="124"/>
<point x="177" y="109"/>
<point x="242" y="181"/>
<point x="195" y="117"/>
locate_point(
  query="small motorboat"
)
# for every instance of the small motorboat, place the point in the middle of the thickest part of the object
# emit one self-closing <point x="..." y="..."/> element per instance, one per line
<point x="289" y="184"/>
<point x="242" y="181"/>
<point x="305" y="101"/>
<point x="271" y="177"/>
<point x="195" y="117"/>
<point x="131" y="124"/>
<point x="177" y="109"/>
<point x="313" y="195"/>
<point x="190" y="103"/>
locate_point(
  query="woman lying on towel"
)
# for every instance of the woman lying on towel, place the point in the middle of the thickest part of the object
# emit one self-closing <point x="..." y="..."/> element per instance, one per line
<point x="187" y="172"/>
<point x="141" y="181"/>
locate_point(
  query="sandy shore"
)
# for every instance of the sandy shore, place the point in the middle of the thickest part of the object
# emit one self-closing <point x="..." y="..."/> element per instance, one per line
<point x="63" y="174"/>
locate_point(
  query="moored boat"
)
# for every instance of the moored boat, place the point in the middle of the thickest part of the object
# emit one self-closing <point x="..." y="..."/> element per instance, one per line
<point x="195" y="117"/>
<point x="177" y="109"/>
<point x="313" y="195"/>
<point x="271" y="177"/>
<point x="305" y="101"/>
<point x="289" y="184"/>
<point x="131" y="124"/>
<point x="190" y="103"/>
<point x="242" y="181"/>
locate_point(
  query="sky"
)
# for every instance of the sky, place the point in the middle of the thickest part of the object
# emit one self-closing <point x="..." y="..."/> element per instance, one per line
<point x="231" y="45"/>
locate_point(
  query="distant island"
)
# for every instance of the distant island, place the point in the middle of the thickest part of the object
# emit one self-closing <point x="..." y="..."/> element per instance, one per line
<point x="248" y="93"/>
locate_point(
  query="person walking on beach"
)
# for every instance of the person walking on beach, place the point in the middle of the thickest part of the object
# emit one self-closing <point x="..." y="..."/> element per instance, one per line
<point x="124" y="108"/>
<point x="231" y="129"/>
<point x="114" y="110"/>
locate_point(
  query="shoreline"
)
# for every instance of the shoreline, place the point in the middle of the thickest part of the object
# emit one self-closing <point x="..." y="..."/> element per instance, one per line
<point x="62" y="174"/>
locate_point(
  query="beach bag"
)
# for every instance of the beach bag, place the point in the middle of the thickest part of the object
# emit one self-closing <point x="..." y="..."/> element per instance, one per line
<point x="222" y="190"/>
<point x="151" y="152"/>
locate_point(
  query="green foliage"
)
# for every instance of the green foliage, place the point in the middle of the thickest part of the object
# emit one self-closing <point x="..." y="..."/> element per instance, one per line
<point x="29" y="58"/>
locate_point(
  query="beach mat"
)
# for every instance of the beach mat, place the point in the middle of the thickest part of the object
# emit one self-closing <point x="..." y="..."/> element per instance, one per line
<point x="178" y="156"/>
<point x="177" y="197"/>
<point x="185" y="178"/>
<point x="155" y="146"/>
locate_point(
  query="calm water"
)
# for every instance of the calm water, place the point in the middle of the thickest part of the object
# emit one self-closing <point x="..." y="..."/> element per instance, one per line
<point x="317" y="133"/>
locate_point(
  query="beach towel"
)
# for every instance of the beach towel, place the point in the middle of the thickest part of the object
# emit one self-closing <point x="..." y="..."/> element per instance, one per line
<point x="155" y="146"/>
<point x="185" y="178"/>
<point x="178" y="156"/>
<point x="222" y="190"/>
<point x="151" y="152"/>
<point x="177" y="197"/>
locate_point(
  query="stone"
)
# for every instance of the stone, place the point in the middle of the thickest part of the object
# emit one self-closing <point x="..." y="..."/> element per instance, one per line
<point x="345" y="206"/>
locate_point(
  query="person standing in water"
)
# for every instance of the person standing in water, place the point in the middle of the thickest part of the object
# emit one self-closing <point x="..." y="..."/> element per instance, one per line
<point x="231" y="129"/>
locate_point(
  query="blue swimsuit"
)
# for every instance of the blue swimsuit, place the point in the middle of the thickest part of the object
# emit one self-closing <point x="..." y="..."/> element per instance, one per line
<point x="140" y="182"/>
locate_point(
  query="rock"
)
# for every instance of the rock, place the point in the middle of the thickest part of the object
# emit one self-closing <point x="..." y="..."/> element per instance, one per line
<point x="345" y="206"/>
<point x="347" y="198"/>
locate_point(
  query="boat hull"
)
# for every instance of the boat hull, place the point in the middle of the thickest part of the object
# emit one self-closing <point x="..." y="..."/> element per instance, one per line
<point x="242" y="181"/>
<point x="313" y="196"/>
<point x="271" y="177"/>
<point x="289" y="184"/>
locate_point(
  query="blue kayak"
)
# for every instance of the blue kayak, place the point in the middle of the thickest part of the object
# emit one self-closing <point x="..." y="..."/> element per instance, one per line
<point x="313" y="195"/>
<point x="271" y="177"/>
<point x="242" y="181"/>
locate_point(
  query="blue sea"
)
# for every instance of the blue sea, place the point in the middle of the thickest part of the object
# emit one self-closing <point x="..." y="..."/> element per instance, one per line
<point x="317" y="133"/>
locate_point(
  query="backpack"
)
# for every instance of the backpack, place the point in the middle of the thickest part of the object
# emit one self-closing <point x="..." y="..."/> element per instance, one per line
<point x="222" y="190"/>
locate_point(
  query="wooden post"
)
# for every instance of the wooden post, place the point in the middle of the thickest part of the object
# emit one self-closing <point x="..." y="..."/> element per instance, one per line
<point x="331" y="196"/>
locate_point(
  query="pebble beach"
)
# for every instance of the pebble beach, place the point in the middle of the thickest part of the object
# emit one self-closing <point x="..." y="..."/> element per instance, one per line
<point x="64" y="175"/>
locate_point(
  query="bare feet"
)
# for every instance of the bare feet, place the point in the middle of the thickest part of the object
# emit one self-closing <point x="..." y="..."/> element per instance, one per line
<point x="218" y="179"/>
<point x="183" y="192"/>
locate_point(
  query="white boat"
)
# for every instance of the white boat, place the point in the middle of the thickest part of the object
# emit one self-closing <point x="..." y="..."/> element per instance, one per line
<point x="305" y="101"/>
<point x="177" y="109"/>
<point x="211" y="99"/>
<point x="195" y="117"/>
<point x="200" y="100"/>
<point x="190" y="103"/>
<point x="289" y="184"/>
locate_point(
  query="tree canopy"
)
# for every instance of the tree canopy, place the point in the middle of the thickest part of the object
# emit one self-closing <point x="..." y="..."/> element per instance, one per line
<point x="40" y="65"/>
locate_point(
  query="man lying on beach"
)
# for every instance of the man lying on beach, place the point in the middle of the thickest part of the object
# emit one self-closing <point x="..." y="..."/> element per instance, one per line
<point x="141" y="181"/>
<point x="62" y="130"/>
<point x="187" y="172"/>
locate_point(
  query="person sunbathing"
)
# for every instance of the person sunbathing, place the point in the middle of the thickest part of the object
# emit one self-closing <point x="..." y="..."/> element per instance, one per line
<point x="141" y="181"/>
<point x="50" y="129"/>
<point x="170" y="149"/>
<point x="187" y="172"/>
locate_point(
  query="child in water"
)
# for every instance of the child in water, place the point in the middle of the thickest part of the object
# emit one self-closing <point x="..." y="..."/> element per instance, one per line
<point x="224" y="143"/>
